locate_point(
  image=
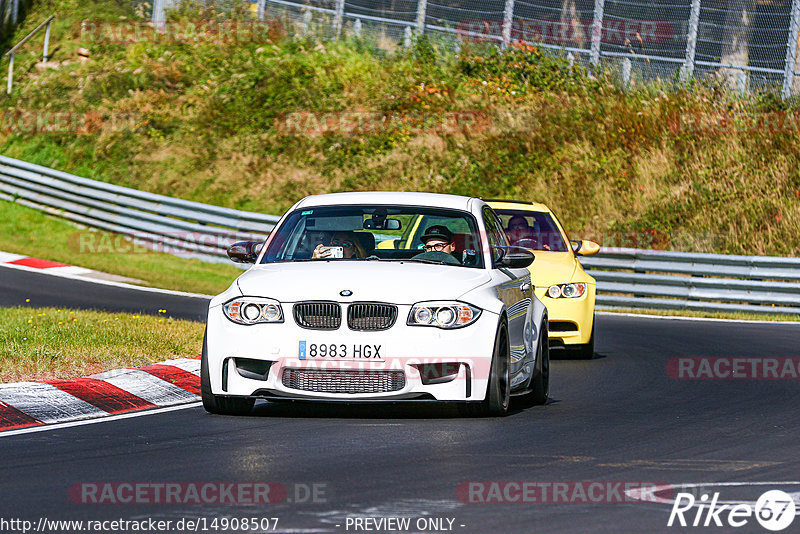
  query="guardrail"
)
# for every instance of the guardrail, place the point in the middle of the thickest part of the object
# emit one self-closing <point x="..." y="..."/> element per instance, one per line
<point x="160" y="222"/>
<point x="654" y="279"/>
<point x="10" y="54"/>
<point x="626" y="277"/>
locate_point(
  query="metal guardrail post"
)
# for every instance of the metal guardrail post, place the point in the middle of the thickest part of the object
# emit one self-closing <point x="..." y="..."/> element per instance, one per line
<point x="597" y="32"/>
<point x="422" y="8"/>
<point x="508" y="17"/>
<point x="691" y="41"/>
<point x="791" y="51"/>
<point x="338" y="18"/>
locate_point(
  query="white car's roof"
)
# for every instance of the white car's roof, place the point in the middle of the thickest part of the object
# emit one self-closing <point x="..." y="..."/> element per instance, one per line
<point x="400" y="198"/>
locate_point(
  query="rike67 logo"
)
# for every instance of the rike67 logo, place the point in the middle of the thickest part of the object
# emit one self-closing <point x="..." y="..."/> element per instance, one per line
<point x="774" y="510"/>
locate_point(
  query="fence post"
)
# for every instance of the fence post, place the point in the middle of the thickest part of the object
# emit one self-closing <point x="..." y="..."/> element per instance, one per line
<point x="357" y="28"/>
<point x="791" y="51"/>
<point x="422" y="7"/>
<point x="14" y="12"/>
<point x="159" y="16"/>
<point x="741" y="82"/>
<point x="597" y="32"/>
<point x="261" y="9"/>
<point x="508" y="17"/>
<point x="691" y="41"/>
<point x="10" y="72"/>
<point x="407" y="37"/>
<point x="338" y="18"/>
<point x="626" y="72"/>
<point x="46" y="43"/>
<point x="305" y="25"/>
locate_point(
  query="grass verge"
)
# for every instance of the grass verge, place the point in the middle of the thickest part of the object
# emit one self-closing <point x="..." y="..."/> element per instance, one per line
<point x="741" y="316"/>
<point x="51" y="343"/>
<point x="26" y="231"/>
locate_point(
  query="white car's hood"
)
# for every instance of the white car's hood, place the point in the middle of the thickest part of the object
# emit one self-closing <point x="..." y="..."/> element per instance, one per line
<point x="382" y="281"/>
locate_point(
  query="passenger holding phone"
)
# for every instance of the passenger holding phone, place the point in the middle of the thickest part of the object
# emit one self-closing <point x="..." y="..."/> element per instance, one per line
<point x="346" y="242"/>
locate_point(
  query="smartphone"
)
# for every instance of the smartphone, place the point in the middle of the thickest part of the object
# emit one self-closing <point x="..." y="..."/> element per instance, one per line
<point x="336" y="252"/>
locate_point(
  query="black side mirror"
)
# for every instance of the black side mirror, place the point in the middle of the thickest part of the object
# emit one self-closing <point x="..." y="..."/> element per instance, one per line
<point x="244" y="251"/>
<point x="512" y="257"/>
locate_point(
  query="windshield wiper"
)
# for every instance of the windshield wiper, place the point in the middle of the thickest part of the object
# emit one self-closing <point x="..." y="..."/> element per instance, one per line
<point x="434" y="262"/>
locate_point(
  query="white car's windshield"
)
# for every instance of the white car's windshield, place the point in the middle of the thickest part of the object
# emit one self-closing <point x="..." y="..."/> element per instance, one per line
<point x="369" y="233"/>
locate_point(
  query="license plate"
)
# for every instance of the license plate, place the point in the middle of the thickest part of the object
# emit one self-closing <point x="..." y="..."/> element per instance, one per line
<point x="339" y="351"/>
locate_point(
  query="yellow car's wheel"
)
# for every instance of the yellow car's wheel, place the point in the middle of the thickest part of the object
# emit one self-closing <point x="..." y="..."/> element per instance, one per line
<point x="586" y="351"/>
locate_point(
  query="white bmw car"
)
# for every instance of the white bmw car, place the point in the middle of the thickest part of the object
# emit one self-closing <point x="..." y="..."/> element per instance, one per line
<point x="325" y="314"/>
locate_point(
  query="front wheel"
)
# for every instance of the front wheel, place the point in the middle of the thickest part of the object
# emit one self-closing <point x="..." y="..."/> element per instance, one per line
<point x="216" y="403"/>
<point x="586" y="351"/>
<point x="498" y="391"/>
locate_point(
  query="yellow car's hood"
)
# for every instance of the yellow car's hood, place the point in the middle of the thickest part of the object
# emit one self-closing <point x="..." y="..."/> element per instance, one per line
<point x="552" y="268"/>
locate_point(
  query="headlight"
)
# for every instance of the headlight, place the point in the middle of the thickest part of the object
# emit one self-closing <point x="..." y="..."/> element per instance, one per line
<point x="253" y="310"/>
<point x="443" y="314"/>
<point x="566" y="291"/>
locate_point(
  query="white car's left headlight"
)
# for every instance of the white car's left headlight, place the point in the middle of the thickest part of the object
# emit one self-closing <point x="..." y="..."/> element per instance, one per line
<point x="566" y="291"/>
<point x="443" y="314"/>
<point x="253" y="310"/>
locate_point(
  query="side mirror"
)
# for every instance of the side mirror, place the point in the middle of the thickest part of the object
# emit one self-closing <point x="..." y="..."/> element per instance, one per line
<point x="512" y="257"/>
<point x="244" y="251"/>
<point x="585" y="248"/>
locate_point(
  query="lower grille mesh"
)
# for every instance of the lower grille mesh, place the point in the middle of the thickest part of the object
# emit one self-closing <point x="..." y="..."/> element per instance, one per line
<point x="344" y="381"/>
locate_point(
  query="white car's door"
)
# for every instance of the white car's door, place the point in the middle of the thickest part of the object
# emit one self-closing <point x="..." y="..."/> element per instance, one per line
<point x="514" y="289"/>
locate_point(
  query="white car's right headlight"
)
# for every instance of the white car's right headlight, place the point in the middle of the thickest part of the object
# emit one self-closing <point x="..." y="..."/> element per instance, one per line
<point x="447" y="314"/>
<point x="253" y="310"/>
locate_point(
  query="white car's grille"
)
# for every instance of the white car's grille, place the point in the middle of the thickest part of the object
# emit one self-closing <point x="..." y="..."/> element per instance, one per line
<point x="343" y="381"/>
<point x="318" y="315"/>
<point x="369" y="316"/>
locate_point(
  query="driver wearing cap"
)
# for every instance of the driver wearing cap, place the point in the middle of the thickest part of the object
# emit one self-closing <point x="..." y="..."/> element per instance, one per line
<point x="438" y="238"/>
<point x="438" y="244"/>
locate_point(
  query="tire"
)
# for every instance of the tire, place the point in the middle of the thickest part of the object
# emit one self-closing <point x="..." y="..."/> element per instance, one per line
<point x="216" y="403"/>
<point x="498" y="391"/>
<point x="540" y="382"/>
<point x="586" y="351"/>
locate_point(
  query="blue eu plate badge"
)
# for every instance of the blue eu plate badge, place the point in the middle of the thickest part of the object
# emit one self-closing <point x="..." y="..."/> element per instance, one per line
<point x="301" y="350"/>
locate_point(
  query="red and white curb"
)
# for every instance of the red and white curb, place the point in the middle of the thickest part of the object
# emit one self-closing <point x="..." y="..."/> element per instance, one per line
<point x="36" y="263"/>
<point x="30" y="404"/>
<point x="20" y="261"/>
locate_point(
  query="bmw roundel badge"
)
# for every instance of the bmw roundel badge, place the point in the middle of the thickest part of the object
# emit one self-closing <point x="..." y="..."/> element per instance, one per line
<point x="345" y="292"/>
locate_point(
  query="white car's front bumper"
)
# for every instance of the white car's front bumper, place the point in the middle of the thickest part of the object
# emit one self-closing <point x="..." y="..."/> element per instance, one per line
<point x="465" y="352"/>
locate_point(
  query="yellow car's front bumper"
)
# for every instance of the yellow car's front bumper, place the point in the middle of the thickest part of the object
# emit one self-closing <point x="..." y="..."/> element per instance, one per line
<point x="570" y="320"/>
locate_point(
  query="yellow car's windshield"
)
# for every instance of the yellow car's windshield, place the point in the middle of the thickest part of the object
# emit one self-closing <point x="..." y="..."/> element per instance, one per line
<point x="532" y="229"/>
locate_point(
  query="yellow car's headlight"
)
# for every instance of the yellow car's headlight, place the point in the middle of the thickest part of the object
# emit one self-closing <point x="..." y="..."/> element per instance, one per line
<point x="566" y="291"/>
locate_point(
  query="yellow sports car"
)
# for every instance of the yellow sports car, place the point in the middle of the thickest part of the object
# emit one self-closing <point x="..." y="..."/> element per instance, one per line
<point x="560" y="282"/>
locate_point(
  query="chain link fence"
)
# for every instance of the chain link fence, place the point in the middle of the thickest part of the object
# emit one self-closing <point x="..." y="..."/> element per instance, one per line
<point x="747" y="44"/>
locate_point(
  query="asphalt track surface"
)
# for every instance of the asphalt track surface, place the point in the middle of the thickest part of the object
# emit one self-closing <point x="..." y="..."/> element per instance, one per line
<point x="618" y="417"/>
